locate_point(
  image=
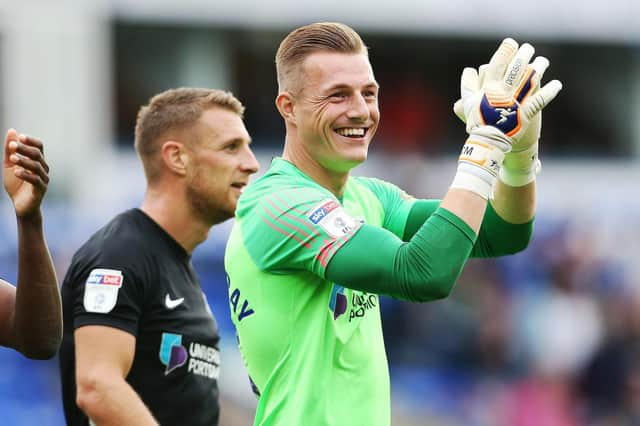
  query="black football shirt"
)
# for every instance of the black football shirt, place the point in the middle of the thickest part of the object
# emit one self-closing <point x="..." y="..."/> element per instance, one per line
<point x="133" y="276"/>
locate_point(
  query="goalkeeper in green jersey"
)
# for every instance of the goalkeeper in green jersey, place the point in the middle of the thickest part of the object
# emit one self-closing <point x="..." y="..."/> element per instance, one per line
<point x="313" y="247"/>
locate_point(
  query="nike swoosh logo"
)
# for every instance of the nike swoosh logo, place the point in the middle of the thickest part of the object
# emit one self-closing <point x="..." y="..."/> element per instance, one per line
<point x="172" y="304"/>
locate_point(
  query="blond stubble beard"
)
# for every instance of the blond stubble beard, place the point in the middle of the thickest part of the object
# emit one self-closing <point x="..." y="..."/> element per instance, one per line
<point x="206" y="206"/>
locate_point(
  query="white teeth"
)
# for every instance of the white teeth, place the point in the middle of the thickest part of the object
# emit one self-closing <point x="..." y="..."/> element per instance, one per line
<point x="357" y="131"/>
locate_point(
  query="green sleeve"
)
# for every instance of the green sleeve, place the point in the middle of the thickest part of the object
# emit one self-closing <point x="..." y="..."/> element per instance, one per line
<point x="497" y="237"/>
<point x="396" y="203"/>
<point x="425" y="268"/>
<point x="420" y="212"/>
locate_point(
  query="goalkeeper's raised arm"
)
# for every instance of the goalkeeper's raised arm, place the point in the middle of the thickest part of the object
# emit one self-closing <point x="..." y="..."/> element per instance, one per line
<point x="506" y="93"/>
<point x="502" y="106"/>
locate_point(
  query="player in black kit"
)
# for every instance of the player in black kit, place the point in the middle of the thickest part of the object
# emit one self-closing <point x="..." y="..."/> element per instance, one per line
<point x="140" y="343"/>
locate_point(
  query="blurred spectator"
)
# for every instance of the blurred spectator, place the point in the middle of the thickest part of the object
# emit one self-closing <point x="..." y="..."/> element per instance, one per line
<point x="610" y="383"/>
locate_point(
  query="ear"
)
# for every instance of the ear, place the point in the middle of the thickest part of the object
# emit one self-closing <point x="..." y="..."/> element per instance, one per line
<point x="286" y="105"/>
<point x="175" y="157"/>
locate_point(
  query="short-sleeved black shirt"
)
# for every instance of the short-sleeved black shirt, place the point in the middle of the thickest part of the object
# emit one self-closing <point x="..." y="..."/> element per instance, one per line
<point x="133" y="276"/>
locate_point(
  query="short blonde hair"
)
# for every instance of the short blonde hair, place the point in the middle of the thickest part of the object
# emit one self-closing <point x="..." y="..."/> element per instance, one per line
<point x="172" y="112"/>
<point x="318" y="37"/>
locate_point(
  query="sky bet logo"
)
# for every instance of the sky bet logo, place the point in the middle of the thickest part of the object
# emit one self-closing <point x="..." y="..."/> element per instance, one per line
<point x="172" y="353"/>
<point x="100" y="277"/>
<point x="318" y="214"/>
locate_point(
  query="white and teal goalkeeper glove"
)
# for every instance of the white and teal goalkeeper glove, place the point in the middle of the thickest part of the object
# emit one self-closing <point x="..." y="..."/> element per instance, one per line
<point x="505" y="95"/>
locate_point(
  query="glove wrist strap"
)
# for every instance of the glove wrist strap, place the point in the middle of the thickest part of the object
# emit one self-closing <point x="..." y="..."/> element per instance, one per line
<point x="470" y="181"/>
<point x="479" y="162"/>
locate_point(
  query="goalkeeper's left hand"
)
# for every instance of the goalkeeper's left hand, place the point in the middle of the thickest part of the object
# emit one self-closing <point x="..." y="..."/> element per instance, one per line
<point x="506" y="94"/>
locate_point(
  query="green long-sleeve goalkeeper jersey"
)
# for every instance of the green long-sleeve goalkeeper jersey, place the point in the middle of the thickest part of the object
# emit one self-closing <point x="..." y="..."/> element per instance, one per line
<point x="313" y="346"/>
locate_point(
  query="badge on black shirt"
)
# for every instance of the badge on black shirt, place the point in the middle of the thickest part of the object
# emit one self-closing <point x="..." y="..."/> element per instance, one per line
<point x="101" y="290"/>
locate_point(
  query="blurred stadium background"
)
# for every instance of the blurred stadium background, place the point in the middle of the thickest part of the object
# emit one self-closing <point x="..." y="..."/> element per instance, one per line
<point x="547" y="337"/>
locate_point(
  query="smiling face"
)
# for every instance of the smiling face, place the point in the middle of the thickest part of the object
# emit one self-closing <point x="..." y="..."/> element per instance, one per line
<point x="336" y="109"/>
<point x="220" y="166"/>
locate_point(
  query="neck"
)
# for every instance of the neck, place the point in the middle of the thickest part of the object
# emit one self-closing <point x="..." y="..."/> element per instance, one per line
<point x="168" y="207"/>
<point x="334" y="181"/>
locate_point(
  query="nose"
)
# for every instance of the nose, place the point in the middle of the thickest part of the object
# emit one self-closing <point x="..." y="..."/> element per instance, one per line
<point x="249" y="162"/>
<point x="358" y="108"/>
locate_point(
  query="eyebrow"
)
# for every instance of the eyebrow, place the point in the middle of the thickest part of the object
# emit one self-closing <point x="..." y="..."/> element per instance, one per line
<point x="237" y="140"/>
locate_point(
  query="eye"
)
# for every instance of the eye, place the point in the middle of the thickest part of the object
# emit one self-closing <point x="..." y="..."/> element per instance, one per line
<point x="370" y="94"/>
<point x="232" y="147"/>
<point x="338" y="96"/>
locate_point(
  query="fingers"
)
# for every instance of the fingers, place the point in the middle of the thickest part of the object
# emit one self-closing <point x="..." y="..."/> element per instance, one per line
<point x="468" y="86"/>
<point x="32" y="141"/>
<point x="539" y="65"/>
<point x="482" y="72"/>
<point x="12" y="135"/>
<point x="34" y="179"/>
<point x="26" y="152"/>
<point x="469" y="82"/>
<point x="535" y="103"/>
<point x="501" y="59"/>
<point x="518" y="66"/>
<point x="37" y="167"/>
<point x="458" y="108"/>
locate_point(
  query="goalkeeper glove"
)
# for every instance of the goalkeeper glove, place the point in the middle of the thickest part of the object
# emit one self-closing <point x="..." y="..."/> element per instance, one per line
<point x="504" y="94"/>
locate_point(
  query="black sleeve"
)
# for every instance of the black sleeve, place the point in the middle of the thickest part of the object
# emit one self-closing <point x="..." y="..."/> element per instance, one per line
<point x="110" y="289"/>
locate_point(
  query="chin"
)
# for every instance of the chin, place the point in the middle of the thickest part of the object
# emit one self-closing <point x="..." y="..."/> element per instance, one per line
<point x="222" y="216"/>
<point x="345" y="165"/>
<point x="355" y="162"/>
<point x="229" y="210"/>
<point x="216" y="213"/>
<point x="356" y="158"/>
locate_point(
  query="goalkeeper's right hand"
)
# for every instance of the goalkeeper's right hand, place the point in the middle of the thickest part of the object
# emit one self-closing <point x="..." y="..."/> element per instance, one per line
<point x="499" y="105"/>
